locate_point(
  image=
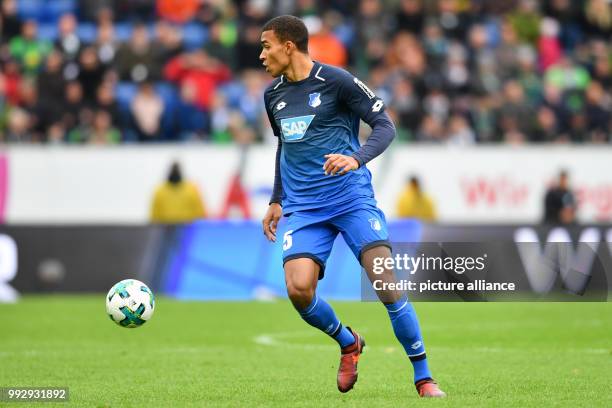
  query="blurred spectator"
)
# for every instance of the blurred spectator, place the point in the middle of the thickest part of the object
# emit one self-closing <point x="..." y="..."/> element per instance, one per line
<point x="254" y="15"/>
<point x="193" y="122"/>
<point x="249" y="101"/>
<point x="459" y="131"/>
<point x="90" y="9"/>
<point x="100" y="132"/>
<point x="28" y="50"/>
<point x="598" y="111"/>
<point x="306" y="9"/>
<point x="437" y="104"/>
<point x="30" y="104"/>
<point x="598" y="14"/>
<point x="134" y="10"/>
<point x="567" y="76"/>
<point x="106" y="45"/>
<point x="410" y="16"/>
<point x="514" y="114"/>
<point x="12" y="81"/>
<point x="507" y="51"/>
<point x="238" y="129"/>
<point x="51" y="81"/>
<point x="135" y="59"/>
<point x="483" y="117"/>
<point x="323" y="44"/>
<point x="549" y="46"/>
<point x="547" y="128"/>
<point x="578" y="131"/>
<point x="456" y="72"/>
<point x="18" y="126"/>
<point x="448" y="70"/>
<point x="413" y="202"/>
<point x="569" y="16"/>
<point x="222" y="42"/>
<point x="407" y="105"/>
<point x="559" y="202"/>
<point x="105" y="100"/>
<point x="68" y="42"/>
<point x="526" y="21"/>
<point x="219" y="119"/>
<point x="177" y="200"/>
<point x="11" y="25"/>
<point x="177" y="11"/>
<point x="56" y="133"/>
<point x="199" y="70"/>
<point x="435" y="44"/>
<point x="602" y="71"/>
<point x="168" y="43"/>
<point x="452" y="19"/>
<point x="375" y="23"/>
<point x="407" y="55"/>
<point x="431" y="130"/>
<point x="147" y="109"/>
<point x="50" y="86"/>
<point x="75" y="108"/>
<point x="527" y="75"/>
<point x="91" y="73"/>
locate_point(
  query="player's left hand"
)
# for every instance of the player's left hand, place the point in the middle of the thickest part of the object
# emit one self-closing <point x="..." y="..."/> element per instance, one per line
<point x="339" y="164"/>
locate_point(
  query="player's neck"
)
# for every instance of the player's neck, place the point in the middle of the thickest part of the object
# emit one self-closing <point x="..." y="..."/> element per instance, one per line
<point x="299" y="69"/>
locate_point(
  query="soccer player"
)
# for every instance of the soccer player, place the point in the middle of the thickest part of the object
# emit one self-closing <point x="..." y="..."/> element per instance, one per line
<point x="323" y="186"/>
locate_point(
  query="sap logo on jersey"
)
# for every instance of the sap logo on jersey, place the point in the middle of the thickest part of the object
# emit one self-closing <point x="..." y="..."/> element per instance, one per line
<point x="295" y="128"/>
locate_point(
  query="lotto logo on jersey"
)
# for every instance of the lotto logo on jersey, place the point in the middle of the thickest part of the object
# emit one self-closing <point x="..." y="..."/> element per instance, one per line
<point x="295" y="128"/>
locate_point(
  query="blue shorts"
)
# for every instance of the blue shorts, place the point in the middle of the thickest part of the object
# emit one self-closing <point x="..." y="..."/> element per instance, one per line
<point x="311" y="233"/>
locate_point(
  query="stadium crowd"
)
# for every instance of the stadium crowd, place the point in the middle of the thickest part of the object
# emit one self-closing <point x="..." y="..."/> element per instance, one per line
<point x="450" y="71"/>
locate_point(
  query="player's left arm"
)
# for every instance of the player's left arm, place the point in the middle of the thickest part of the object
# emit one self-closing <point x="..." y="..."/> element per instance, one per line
<point x="371" y="109"/>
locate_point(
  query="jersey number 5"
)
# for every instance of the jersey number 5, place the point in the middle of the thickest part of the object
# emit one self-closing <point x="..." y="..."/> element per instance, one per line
<point x="287" y="240"/>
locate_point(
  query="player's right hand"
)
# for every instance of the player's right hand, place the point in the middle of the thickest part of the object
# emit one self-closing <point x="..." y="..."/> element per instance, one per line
<point x="270" y="221"/>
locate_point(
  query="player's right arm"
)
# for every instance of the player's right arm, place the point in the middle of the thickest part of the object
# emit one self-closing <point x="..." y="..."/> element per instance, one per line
<point x="275" y="210"/>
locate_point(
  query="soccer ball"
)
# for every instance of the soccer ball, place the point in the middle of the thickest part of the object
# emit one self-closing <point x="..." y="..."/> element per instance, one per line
<point x="130" y="303"/>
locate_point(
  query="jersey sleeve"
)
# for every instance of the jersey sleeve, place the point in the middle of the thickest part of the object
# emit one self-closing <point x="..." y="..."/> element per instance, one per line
<point x="275" y="128"/>
<point x="359" y="98"/>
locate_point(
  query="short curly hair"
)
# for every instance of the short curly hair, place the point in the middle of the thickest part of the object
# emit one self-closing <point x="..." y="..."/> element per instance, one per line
<point x="289" y="28"/>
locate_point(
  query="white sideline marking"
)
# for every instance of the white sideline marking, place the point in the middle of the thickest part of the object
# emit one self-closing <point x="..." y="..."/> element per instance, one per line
<point x="280" y="340"/>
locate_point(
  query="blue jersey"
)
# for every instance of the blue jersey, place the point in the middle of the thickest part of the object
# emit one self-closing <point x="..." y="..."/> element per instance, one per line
<point x="313" y="117"/>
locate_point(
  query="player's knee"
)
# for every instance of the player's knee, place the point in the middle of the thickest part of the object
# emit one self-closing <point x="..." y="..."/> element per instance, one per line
<point x="301" y="280"/>
<point x="300" y="294"/>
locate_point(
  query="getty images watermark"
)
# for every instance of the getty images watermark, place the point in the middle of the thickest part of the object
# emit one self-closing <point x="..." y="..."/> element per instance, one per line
<point x="412" y="265"/>
<point x="488" y="271"/>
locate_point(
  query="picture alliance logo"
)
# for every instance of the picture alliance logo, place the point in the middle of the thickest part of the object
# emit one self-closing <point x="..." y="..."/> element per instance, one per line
<point x="559" y="257"/>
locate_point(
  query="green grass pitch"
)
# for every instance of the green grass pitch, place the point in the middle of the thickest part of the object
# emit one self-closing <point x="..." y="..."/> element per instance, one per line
<point x="200" y="354"/>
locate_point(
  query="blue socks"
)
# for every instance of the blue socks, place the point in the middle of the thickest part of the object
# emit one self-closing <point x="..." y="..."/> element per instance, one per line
<point x="321" y="315"/>
<point x="406" y="327"/>
<point x="403" y="319"/>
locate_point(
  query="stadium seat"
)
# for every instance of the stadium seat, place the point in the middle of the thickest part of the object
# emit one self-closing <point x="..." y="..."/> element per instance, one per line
<point x="125" y="92"/>
<point x="87" y="32"/>
<point x="170" y="97"/>
<point x="194" y="36"/>
<point x="48" y="31"/>
<point x="346" y="34"/>
<point x="123" y="31"/>
<point x="30" y="9"/>
<point x="54" y="9"/>
<point x="167" y="92"/>
<point x="233" y="91"/>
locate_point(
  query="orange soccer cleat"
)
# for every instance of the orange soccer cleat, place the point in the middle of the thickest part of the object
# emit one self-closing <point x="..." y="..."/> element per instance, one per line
<point x="428" y="388"/>
<point x="347" y="372"/>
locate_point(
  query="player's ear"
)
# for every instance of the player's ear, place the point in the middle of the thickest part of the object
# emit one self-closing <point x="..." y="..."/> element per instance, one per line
<point x="289" y="47"/>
